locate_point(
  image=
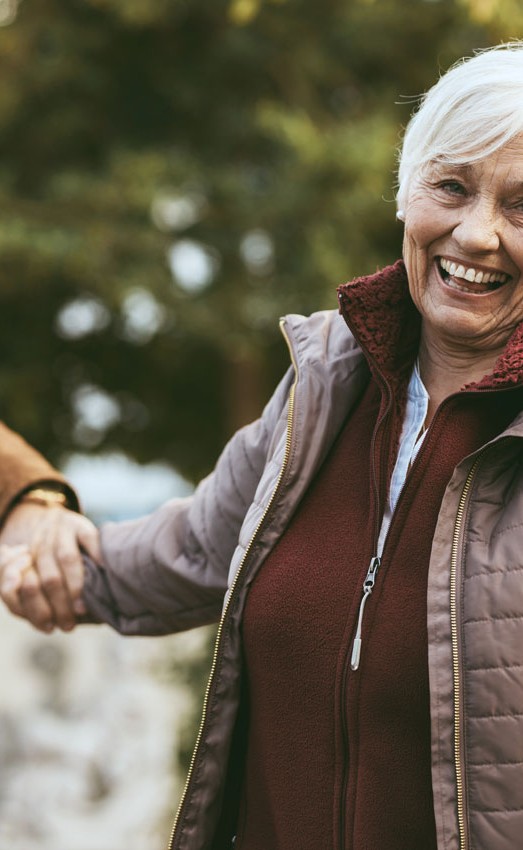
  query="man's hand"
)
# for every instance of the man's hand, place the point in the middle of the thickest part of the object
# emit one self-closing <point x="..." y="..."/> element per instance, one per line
<point x="41" y="568"/>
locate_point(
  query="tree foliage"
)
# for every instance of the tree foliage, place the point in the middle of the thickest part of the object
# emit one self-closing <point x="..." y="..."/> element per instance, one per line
<point x="174" y="175"/>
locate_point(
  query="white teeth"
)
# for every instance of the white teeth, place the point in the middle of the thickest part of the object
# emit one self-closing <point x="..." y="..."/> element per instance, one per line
<point x="454" y="285"/>
<point x="470" y="274"/>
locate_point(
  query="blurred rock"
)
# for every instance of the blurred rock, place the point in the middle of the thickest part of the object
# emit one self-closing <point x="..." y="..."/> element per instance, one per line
<point x="88" y="733"/>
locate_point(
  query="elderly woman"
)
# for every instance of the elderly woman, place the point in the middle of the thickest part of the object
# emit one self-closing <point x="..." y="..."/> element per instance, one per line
<point x="362" y="543"/>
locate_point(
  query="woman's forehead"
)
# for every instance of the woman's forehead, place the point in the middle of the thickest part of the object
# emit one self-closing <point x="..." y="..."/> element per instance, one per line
<point x="507" y="162"/>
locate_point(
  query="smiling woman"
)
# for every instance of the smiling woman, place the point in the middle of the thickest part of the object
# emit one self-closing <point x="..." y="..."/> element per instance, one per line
<point x="361" y="544"/>
<point x="461" y="186"/>
<point x="463" y="250"/>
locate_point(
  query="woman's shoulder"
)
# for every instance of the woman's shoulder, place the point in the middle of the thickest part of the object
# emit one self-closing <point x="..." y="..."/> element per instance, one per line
<point x="322" y="336"/>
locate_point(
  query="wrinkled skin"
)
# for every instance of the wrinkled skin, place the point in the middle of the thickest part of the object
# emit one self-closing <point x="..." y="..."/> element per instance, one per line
<point x="471" y="215"/>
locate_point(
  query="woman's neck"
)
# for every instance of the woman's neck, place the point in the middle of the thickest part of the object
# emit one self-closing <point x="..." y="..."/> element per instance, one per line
<point x="445" y="371"/>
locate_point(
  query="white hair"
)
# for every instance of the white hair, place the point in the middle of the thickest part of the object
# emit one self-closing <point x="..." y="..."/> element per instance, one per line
<point x="473" y="110"/>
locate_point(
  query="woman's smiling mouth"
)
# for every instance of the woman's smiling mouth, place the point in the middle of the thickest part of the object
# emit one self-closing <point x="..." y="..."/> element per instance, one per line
<point x="468" y="278"/>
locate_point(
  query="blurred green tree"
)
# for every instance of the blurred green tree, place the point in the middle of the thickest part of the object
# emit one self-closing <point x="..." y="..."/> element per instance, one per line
<point x="174" y="175"/>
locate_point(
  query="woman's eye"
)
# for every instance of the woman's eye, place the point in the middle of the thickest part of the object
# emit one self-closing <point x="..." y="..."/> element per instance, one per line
<point x="453" y="187"/>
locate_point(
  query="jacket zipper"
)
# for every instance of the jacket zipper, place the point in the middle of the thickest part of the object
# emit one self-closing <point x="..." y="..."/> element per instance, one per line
<point x="375" y="561"/>
<point x="368" y="587"/>
<point x="455" y="625"/>
<point x="239" y="571"/>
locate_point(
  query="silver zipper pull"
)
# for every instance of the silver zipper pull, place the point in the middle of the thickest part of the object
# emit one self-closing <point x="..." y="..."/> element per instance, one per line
<point x="368" y="587"/>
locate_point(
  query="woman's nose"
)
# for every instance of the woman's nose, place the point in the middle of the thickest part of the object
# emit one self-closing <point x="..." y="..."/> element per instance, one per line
<point x="478" y="228"/>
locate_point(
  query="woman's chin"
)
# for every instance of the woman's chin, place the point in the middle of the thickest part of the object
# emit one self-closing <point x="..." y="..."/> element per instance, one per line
<point x="450" y="327"/>
<point x="461" y="315"/>
<point x="459" y="318"/>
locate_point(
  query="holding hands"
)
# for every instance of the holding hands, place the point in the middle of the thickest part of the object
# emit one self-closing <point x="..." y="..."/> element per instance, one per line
<point x="41" y="567"/>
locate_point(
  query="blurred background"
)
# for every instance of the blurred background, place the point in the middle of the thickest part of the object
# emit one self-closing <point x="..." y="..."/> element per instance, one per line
<point x="174" y="176"/>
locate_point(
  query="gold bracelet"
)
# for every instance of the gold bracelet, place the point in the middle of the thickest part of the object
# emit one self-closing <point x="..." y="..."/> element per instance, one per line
<point x="48" y="498"/>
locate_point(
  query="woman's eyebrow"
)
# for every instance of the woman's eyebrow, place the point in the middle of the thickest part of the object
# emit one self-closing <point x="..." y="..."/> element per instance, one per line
<point x="514" y="185"/>
<point x="445" y="168"/>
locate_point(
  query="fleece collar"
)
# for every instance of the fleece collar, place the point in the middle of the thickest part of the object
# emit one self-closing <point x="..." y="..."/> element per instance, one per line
<point x="382" y="316"/>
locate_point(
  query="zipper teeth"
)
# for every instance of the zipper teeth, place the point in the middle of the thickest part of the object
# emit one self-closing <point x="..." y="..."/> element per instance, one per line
<point x="463" y="843"/>
<point x="217" y="646"/>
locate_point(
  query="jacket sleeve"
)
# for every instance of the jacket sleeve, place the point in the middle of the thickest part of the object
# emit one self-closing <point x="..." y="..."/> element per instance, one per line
<point x="23" y="468"/>
<point x="167" y="572"/>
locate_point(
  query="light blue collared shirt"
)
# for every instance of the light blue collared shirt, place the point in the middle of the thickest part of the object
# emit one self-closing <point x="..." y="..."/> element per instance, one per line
<point x="410" y="444"/>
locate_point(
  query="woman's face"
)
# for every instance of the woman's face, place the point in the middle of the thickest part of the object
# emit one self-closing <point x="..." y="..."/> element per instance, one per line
<point x="463" y="248"/>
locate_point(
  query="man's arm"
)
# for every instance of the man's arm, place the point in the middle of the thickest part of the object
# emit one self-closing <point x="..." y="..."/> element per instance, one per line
<point x="52" y="530"/>
<point x="22" y="468"/>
